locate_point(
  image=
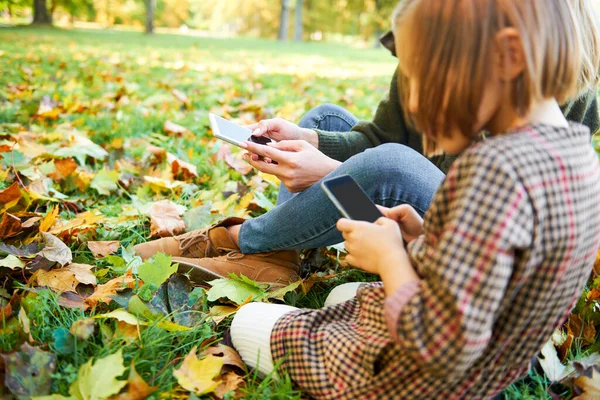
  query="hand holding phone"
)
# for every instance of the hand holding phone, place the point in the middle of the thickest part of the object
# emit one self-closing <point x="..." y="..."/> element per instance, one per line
<point x="350" y="199"/>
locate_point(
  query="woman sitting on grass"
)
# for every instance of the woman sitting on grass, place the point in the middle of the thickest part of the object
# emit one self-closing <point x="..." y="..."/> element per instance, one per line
<point x="507" y="243"/>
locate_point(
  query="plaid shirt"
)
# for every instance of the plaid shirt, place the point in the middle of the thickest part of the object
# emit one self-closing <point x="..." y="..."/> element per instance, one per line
<point x="509" y="242"/>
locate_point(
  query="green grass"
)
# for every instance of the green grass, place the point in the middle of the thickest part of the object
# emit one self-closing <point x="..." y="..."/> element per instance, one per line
<point x="118" y="86"/>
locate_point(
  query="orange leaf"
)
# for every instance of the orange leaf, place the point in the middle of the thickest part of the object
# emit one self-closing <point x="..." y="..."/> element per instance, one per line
<point x="178" y="166"/>
<point x="11" y="193"/>
<point x="64" y="168"/>
<point x="165" y="219"/>
<point x="103" y="248"/>
<point x="9" y="226"/>
<point x="231" y="382"/>
<point x="173" y="128"/>
<point x="49" y="219"/>
<point x="230" y="356"/>
<point x="137" y="388"/>
<point x="110" y="288"/>
<point x="59" y="280"/>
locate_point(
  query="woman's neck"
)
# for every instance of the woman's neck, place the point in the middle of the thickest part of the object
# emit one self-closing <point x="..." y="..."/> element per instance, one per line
<point x="546" y="112"/>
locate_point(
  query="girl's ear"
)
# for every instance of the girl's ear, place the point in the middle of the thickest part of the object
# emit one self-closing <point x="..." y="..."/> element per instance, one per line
<point x="510" y="56"/>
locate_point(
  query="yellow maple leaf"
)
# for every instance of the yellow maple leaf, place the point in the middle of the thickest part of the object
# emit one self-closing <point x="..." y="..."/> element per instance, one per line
<point x="197" y="375"/>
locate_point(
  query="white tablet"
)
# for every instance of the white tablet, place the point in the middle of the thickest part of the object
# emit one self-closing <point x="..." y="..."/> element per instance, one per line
<point x="233" y="133"/>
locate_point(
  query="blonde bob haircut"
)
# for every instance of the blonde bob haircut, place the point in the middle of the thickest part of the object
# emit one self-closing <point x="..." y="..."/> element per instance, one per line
<point x="447" y="47"/>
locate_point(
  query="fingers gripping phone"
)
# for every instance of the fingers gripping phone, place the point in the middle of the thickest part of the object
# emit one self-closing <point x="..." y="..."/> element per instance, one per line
<point x="350" y="199"/>
<point x="233" y="133"/>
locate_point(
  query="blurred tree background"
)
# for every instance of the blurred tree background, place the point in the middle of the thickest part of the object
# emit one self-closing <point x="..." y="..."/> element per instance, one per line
<point x="283" y="19"/>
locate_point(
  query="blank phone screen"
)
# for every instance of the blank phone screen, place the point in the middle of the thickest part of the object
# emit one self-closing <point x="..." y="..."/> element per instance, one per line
<point x="232" y="131"/>
<point x="353" y="199"/>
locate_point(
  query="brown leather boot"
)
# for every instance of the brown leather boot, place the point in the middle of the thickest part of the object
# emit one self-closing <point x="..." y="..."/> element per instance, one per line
<point x="277" y="268"/>
<point x="211" y="242"/>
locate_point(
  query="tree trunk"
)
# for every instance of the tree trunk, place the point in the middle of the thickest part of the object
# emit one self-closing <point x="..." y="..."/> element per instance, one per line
<point x="150" y="6"/>
<point x="40" y="13"/>
<point x="298" y="31"/>
<point x="284" y="20"/>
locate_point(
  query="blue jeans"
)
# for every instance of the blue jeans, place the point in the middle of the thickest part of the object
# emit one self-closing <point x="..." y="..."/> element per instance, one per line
<point x="391" y="174"/>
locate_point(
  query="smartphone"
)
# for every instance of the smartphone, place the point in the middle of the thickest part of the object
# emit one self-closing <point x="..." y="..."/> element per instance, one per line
<point x="350" y="199"/>
<point x="233" y="133"/>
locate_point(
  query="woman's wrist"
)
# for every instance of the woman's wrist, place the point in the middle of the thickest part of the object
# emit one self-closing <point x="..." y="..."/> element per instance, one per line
<point x="311" y="136"/>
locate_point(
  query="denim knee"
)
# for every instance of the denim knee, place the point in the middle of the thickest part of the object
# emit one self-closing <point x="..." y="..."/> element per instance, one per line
<point x="315" y="118"/>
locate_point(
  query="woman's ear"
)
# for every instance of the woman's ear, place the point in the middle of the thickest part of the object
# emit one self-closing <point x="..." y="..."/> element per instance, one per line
<point x="510" y="56"/>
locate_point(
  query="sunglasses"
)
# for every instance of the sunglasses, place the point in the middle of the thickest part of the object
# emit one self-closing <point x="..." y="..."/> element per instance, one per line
<point x="387" y="41"/>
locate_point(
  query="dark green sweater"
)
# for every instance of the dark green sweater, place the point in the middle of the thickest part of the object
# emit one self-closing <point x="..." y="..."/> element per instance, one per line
<point x="390" y="126"/>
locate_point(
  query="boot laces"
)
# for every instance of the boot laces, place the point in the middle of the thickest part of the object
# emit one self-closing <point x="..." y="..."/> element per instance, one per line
<point x="190" y="240"/>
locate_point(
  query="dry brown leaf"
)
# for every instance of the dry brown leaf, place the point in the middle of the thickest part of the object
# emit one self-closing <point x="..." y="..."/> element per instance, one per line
<point x="49" y="219"/>
<point x="158" y="153"/>
<point x="181" y="97"/>
<point x="83" y="328"/>
<point x="10" y="225"/>
<point x="165" y="219"/>
<point x="589" y="385"/>
<point x="173" y="128"/>
<point x="10" y="194"/>
<point x="178" y="166"/>
<point x="59" y="280"/>
<point x="137" y="388"/>
<point x="103" y="248"/>
<point x="110" y="288"/>
<point x="231" y="382"/>
<point x="229" y="355"/>
<point x="219" y="313"/>
<point x="31" y="222"/>
<point x="83" y="273"/>
<point x="234" y="161"/>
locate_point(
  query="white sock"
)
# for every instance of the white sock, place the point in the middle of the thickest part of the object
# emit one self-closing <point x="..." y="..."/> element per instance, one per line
<point x="342" y="293"/>
<point x="251" y="333"/>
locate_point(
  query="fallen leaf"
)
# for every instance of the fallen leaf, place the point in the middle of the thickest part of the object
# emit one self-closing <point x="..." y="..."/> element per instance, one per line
<point x="187" y="170"/>
<point x="83" y="221"/>
<point x="198" y="376"/>
<point x="83" y="273"/>
<point x="158" y="153"/>
<point x="31" y="222"/>
<point x="229" y="355"/>
<point x="235" y="161"/>
<point x="83" y="328"/>
<point x="157" y="270"/>
<point x="137" y="388"/>
<point x="49" y="219"/>
<point x="55" y="250"/>
<point x="10" y="225"/>
<point x="236" y="289"/>
<point x="105" y="182"/>
<point x="553" y="368"/>
<point x="165" y="219"/>
<point x="64" y="168"/>
<point x="122" y="315"/>
<point x="173" y="128"/>
<point x="590" y="386"/>
<point x="126" y="331"/>
<point x="25" y="322"/>
<point x="11" y="262"/>
<point x="230" y="383"/>
<point x="110" y="288"/>
<point x="218" y="313"/>
<point x="280" y="293"/>
<point x="181" y="97"/>
<point x="99" y="381"/>
<point x="59" y="280"/>
<point x="10" y="194"/>
<point x="103" y="248"/>
<point x="29" y="371"/>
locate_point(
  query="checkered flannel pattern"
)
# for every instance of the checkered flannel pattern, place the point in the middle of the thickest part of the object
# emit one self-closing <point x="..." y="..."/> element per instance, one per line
<point x="509" y="242"/>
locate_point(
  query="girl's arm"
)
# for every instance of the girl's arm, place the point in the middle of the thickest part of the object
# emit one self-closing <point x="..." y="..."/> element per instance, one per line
<point x="465" y="260"/>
